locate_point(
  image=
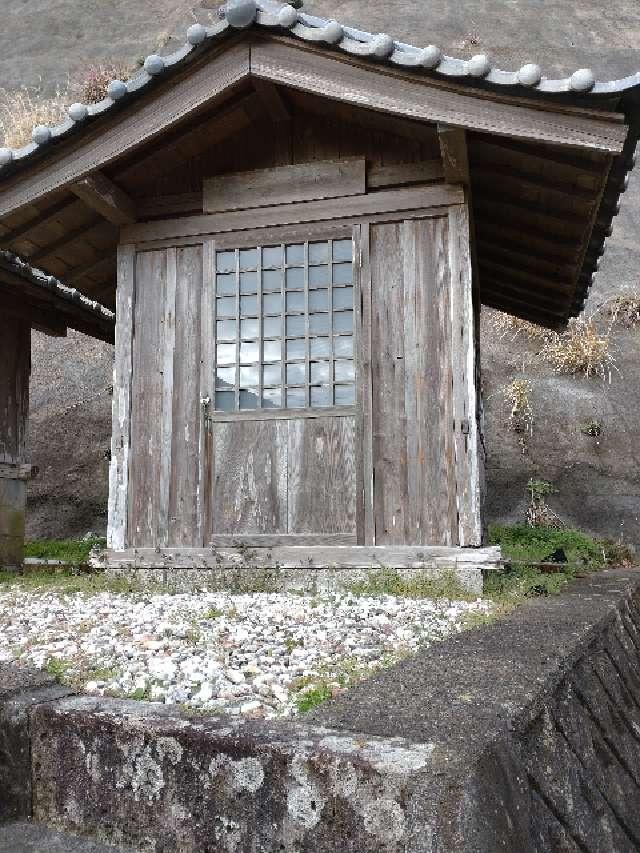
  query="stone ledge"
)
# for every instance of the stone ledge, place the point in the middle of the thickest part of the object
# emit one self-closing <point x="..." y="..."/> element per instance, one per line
<point x="521" y="736"/>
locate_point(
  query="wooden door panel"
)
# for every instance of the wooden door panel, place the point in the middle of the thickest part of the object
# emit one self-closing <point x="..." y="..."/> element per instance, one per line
<point x="322" y="475"/>
<point x="249" y="482"/>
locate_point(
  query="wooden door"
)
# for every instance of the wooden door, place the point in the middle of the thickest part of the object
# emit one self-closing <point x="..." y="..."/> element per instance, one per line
<point x="422" y="411"/>
<point x="279" y="450"/>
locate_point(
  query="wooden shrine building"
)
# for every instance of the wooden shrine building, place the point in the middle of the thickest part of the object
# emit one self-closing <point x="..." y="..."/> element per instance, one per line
<point x="296" y="223"/>
<point x="29" y="299"/>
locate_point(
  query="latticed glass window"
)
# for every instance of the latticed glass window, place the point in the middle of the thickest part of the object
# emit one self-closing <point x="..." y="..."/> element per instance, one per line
<point x="285" y="326"/>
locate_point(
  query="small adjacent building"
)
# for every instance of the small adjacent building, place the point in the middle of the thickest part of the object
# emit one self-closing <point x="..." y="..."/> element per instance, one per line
<point x="29" y="300"/>
<point x="297" y="223"/>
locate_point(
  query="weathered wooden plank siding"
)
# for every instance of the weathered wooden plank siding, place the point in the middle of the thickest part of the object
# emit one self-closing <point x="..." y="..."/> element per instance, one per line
<point x="146" y="399"/>
<point x="183" y="526"/>
<point x="121" y="404"/>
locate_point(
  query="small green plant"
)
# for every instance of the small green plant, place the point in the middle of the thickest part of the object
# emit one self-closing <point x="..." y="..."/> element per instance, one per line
<point x="417" y="585"/>
<point x="213" y="613"/>
<point x="58" y="668"/>
<point x="539" y="513"/>
<point x="140" y="694"/>
<point x="311" y="697"/>
<point x="591" y="428"/>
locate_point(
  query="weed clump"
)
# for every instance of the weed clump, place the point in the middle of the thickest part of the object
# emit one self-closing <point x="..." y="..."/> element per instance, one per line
<point x="580" y="350"/>
<point x="417" y="585"/>
<point x="91" y="86"/>
<point x="24" y="109"/>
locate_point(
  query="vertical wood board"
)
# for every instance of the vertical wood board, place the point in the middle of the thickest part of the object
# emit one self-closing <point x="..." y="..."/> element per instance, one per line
<point x="15" y="367"/>
<point x="121" y="403"/>
<point x="183" y="527"/>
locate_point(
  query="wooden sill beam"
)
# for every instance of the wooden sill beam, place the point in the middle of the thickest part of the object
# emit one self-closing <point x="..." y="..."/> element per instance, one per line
<point x="106" y="198"/>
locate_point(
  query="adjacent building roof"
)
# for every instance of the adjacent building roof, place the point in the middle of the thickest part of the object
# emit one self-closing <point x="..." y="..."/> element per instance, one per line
<point x="52" y="305"/>
<point x="526" y="85"/>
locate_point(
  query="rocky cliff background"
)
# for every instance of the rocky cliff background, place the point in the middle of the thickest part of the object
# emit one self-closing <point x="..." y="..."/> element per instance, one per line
<point x="45" y="43"/>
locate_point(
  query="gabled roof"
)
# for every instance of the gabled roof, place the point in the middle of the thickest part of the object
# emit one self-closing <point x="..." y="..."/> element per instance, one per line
<point x="54" y="305"/>
<point x="580" y="88"/>
<point x="548" y="105"/>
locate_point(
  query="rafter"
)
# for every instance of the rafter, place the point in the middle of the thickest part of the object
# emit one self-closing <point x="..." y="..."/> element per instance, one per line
<point x="66" y="240"/>
<point x="106" y="198"/>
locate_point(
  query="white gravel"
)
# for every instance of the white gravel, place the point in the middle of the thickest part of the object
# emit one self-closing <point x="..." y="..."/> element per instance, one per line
<point x="247" y="654"/>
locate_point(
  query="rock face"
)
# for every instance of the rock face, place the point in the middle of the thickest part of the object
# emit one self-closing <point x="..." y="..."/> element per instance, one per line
<point x="598" y="482"/>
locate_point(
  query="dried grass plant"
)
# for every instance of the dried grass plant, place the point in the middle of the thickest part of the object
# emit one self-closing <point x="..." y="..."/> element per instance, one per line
<point x="91" y="86"/>
<point x="580" y="350"/>
<point x="506" y="325"/>
<point x="23" y="109"/>
<point x="624" y="309"/>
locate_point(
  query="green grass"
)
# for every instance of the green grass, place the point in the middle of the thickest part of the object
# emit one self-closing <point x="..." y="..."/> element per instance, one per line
<point x="74" y="551"/>
<point x="65" y="580"/>
<point x="417" y="585"/>
<point x="529" y="545"/>
<point x="311" y="697"/>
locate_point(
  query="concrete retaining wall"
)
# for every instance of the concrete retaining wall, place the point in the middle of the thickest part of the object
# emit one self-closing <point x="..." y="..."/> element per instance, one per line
<point x="522" y="736"/>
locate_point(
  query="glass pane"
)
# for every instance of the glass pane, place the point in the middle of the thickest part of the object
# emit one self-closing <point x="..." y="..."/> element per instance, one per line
<point x="342" y="250"/>
<point x="226" y="330"/>
<point x="226" y="285"/>
<point x="321" y="396"/>
<point x="295" y="374"/>
<point x="295" y="278"/>
<point x="345" y="395"/>
<point x="249" y="375"/>
<point x="225" y="377"/>
<point x="271" y="350"/>
<point x="225" y="354"/>
<point x="248" y="259"/>
<point x="271" y="327"/>
<point x="344" y="371"/>
<point x="295" y="325"/>
<point x="248" y="304"/>
<point x="343" y="346"/>
<point x="249" y="351"/>
<point x="295" y="398"/>
<point x="225" y="401"/>
<point x="248" y="282"/>
<point x="225" y="261"/>
<point x="343" y="321"/>
<point x="272" y="280"/>
<point x="271" y="374"/>
<point x="295" y="349"/>
<point x="295" y="254"/>
<point x="248" y="398"/>
<point x="295" y="301"/>
<point x="249" y="328"/>
<point x="320" y="371"/>
<point x="272" y="257"/>
<point x="271" y="398"/>
<point x="318" y="253"/>
<point x="319" y="323"/>
<point x="319" y="347"/>
<point x="272" y="303"/>
<point x="319" y="300"/>
<point x="342" y="298"/>
<point x="318" y="276"/>
<point x="342" y="274"/>
<point x="226" y="307"/>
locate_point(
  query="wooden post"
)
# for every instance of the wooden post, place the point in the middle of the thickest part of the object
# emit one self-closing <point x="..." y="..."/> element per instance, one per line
<point x="15" y="366"/>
